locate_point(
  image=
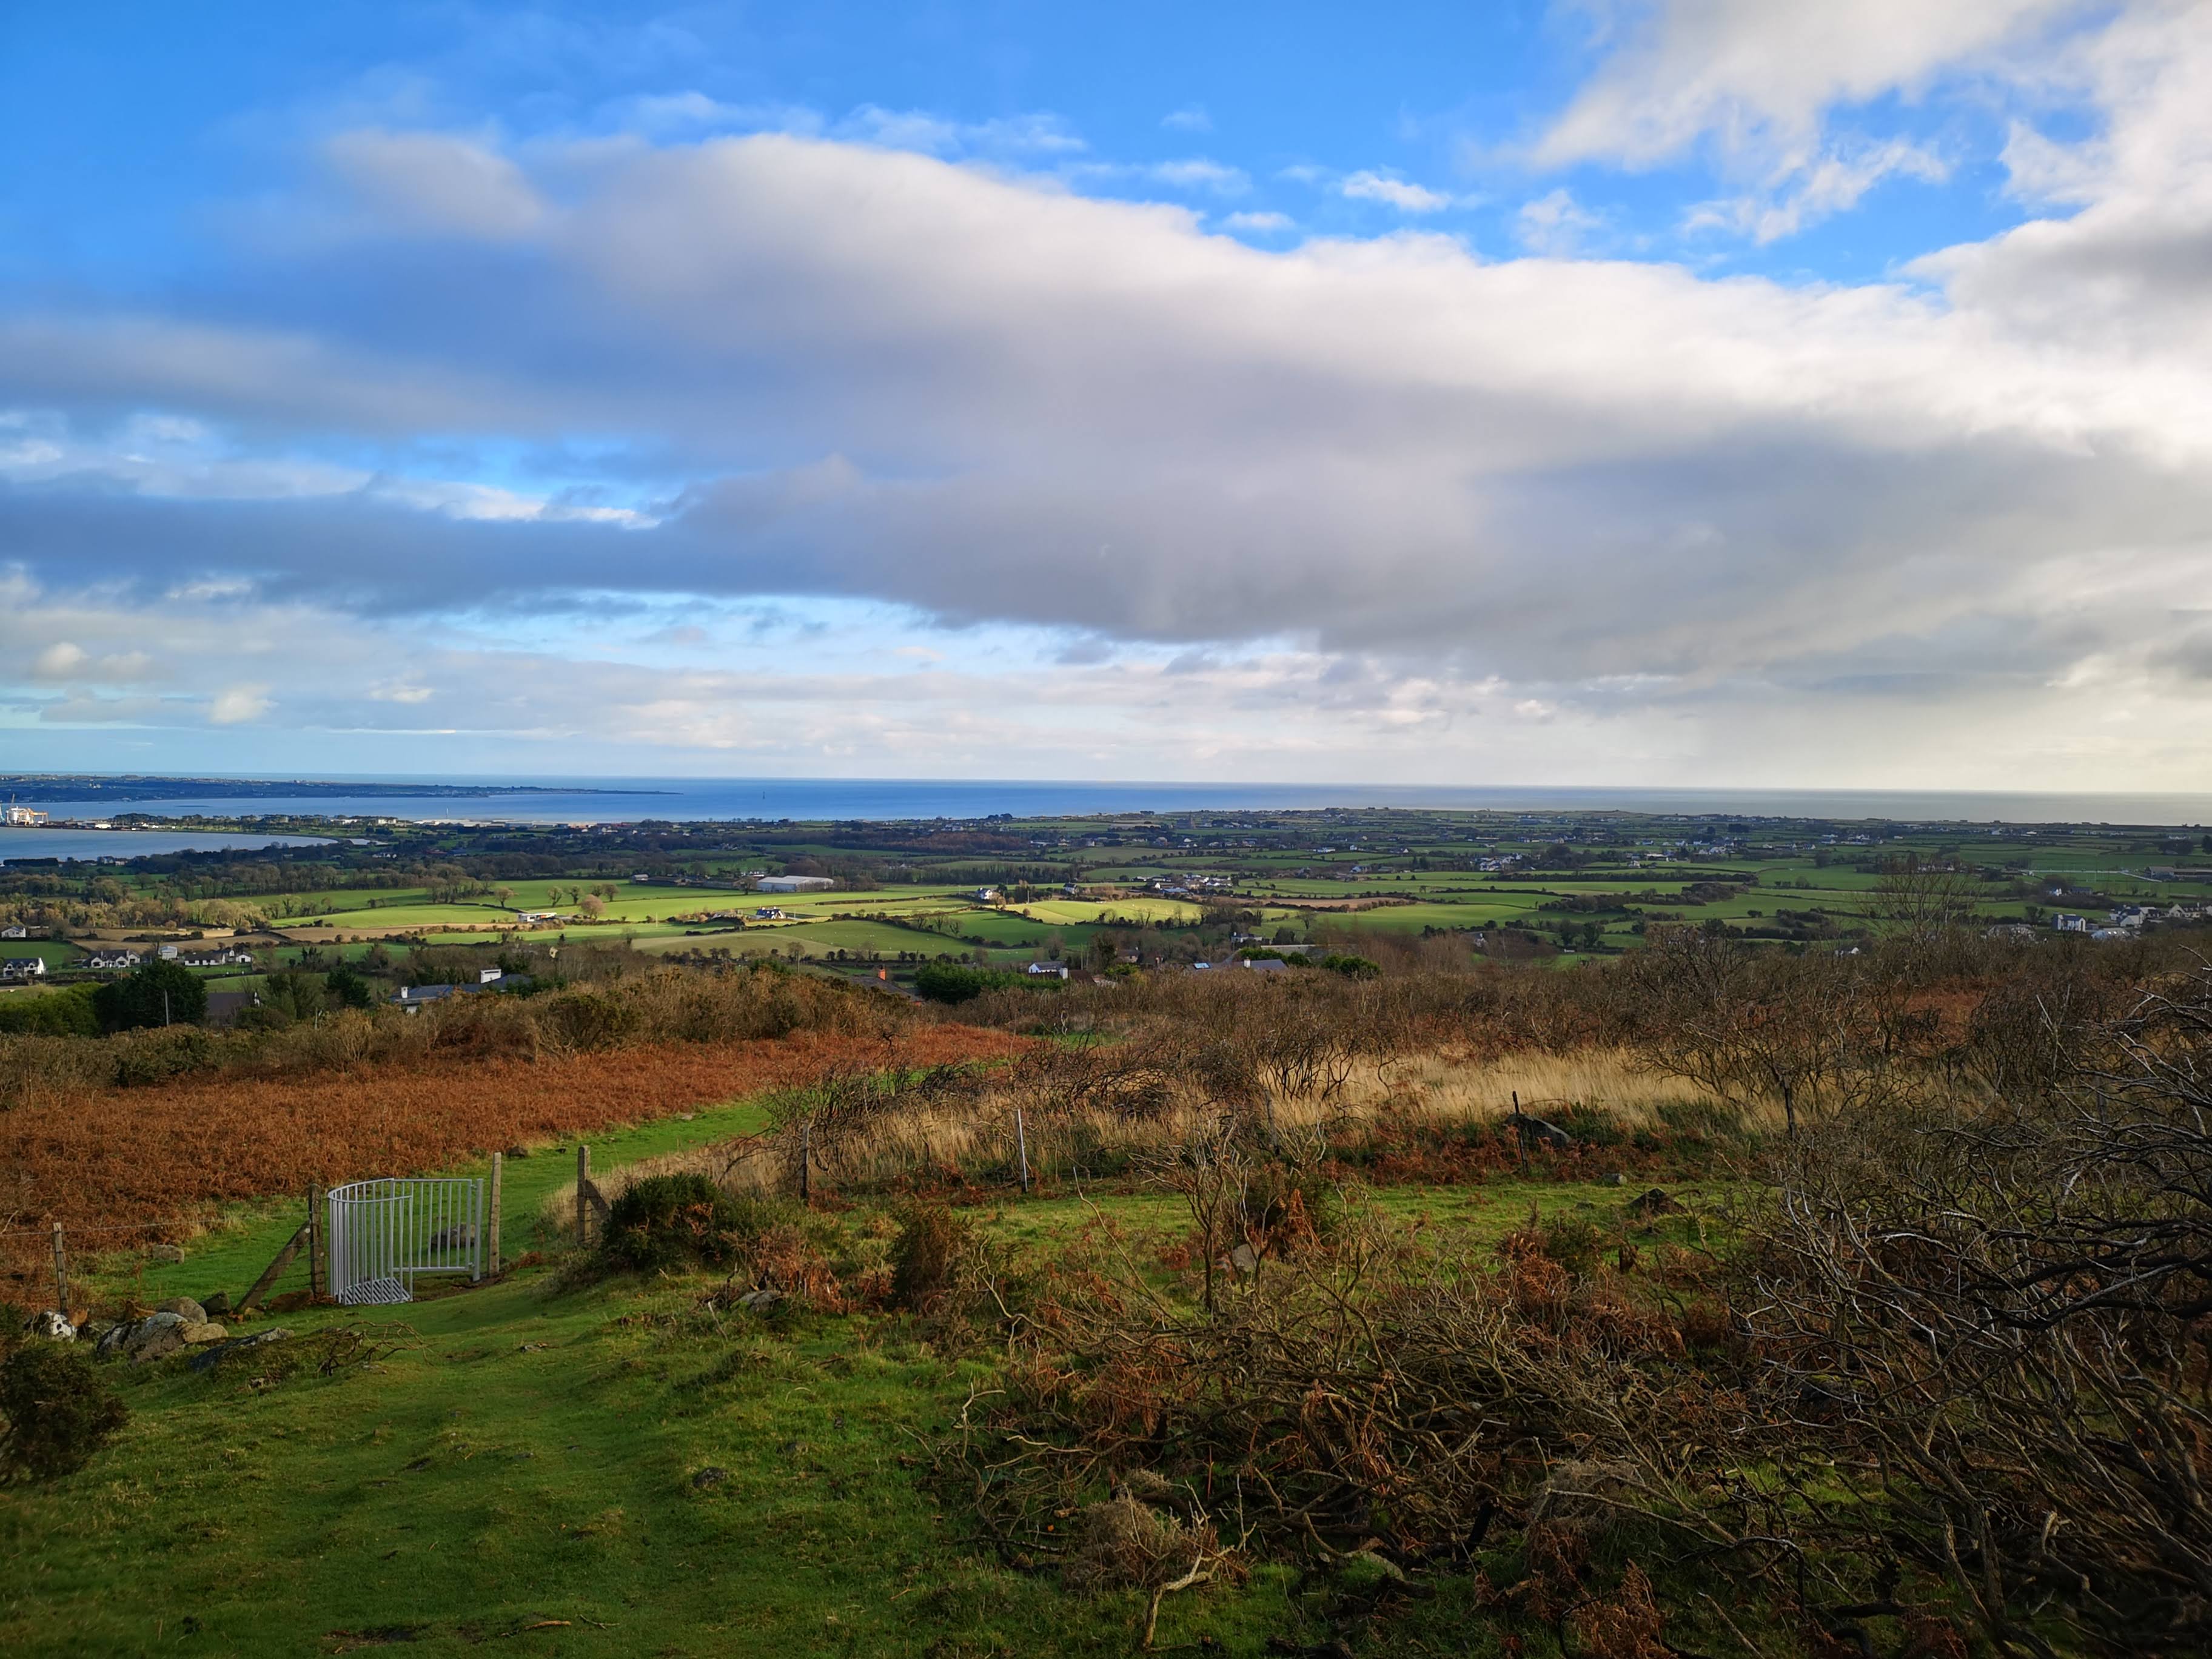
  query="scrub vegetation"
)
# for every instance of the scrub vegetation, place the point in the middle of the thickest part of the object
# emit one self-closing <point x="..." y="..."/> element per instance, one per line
<point x="1715" y="1295"/>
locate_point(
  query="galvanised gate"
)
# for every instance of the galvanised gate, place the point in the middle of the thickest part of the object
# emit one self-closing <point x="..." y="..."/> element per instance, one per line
<point x="385" y="1234"/>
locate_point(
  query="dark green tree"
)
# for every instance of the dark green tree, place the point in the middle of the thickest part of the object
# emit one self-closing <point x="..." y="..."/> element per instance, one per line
<point x="348" y="988"/>
<point x="159" y="993"/>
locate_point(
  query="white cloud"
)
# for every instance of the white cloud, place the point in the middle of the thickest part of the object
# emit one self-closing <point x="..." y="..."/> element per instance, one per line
<point x="1191" y="118"/>
<point x="436" y="182"/>
<point x="235" y="705"/>
<point x="1261" y="222"/>
<point x="1556" y="225"/>
<point x="58" y="661"/>
<point x="1818" y="189"/>
<point x="1762" y="74"/>
<point x="1406" y="198"/>
<point x="1040" y="134"/>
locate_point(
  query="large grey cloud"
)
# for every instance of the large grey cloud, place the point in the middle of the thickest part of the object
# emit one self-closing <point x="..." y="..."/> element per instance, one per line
<point x="817" y="367"/>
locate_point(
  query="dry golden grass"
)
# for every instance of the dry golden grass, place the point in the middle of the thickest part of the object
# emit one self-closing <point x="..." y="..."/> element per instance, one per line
<point x="958" y="1131"/>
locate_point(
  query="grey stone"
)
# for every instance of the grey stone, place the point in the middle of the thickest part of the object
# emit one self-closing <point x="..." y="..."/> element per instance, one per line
<point x="186" y="1309"/>
<point x="710" y="1476"/>
<point x="206" y="1331"/>
<point x="760" y="1301"/>
<point x="171" y="1254"/>
<point x="215" y="1306"/>
<point x="113" y="1338"/>
<point x="157" y="1344"/>
<point x="1244" y="1259"/>
<point x="53" y="1324"/>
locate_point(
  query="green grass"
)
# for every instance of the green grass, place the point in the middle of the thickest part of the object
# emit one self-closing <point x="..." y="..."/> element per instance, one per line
<point x="543" y="1454"/>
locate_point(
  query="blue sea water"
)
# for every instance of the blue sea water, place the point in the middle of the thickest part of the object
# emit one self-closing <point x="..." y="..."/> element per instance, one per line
<point x="88" y="844"/>
<point x="602" y="801"/>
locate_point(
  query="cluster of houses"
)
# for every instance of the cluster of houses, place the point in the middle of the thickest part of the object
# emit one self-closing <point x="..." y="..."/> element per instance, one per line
<point x="17" y="971"/>
<point x="123" y="961"/>
<point x="2127" y="920"/>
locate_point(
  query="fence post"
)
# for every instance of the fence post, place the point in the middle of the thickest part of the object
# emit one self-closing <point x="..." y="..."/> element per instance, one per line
<point x="491" y="1221"/>
<point x="318" y="1241"/>
<point x="806" y="1160"/>
<point x="583" y="1186"/>
<point x="61" y="1275"/>
<point x="1022" y="1148"/>
<point x="1520" y="1132"/>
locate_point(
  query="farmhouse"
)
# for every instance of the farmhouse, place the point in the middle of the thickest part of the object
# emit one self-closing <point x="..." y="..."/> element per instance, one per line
<point x="794" y="884"/>
<point x="112" y="961"/>
<point x="22" y="968"/>
<point x="1047" y="971"/>
<point x="14" y="930"/>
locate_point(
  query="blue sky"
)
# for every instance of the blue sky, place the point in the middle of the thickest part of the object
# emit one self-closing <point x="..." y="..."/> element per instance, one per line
<point x="1697" y="391"/>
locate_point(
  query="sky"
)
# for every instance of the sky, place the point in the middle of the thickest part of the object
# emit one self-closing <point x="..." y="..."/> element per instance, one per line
<point x="1800" y="393"/>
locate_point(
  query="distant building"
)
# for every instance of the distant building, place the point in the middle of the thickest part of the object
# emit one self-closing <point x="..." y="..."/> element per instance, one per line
<point x="1267" y="964"/>
<point x="223" y="1007"/>
<point x="24" y="818"/>
<point x="1047" y="971"/>
<point x="535" y="918"/>
<point x="14" y="930"/>
<point x="2069" y="923"/>
<point x="22" y="968"/>
<point x="794" y="884"/>
<point x="230" y="957"/>
<point x="112" y="961"/>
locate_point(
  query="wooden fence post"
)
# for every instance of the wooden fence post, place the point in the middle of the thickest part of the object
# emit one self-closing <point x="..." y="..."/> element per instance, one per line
<point x="61" y="1275"/>
<point x="1022" y="1148"/>
<point x="1520" y="1132"/>
<point x="491" y="1219"/>
<point x="316" y="1241"/>
<point x="583" y="1187"/>
<point x="806" y="1160"/>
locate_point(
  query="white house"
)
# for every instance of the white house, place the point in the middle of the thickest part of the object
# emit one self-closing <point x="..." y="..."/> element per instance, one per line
<point x="14" y="930"/>
<point x="112" y="959"/>
<point x="23" y="967"/>
<point x="794" y="884"/>
<point x="1047" y="971"/>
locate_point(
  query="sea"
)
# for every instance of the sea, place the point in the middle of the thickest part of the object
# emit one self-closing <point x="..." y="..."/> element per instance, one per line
<point x="627" y="800"/>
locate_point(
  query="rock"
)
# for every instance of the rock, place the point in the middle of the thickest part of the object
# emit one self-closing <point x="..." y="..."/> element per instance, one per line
<point x="146" y="1346"/>
<point x="52" y="1325"/>
<point x="518" y="1151"/>
<point x="205" y="1331"/>
<point x="215" y="1306"/>
<point x="760" y="1301"/>
<point x="186" y="1309"/>
<point x="1245" y="1260"/>
<point x="1645" y="1206"/>
<point x="1614" y="1179"/>
<point x="460" y="1236"/>
<point x="171" y="1254"/>
<point x="113" y="1338"/>
<point x="710" y="1476"/>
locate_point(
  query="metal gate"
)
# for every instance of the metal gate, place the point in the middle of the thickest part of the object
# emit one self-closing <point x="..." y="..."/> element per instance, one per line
<point x="384" y="1233"/>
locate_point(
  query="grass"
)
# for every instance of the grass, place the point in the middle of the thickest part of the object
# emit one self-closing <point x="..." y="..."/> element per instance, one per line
<point x="659" y="1479"/>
